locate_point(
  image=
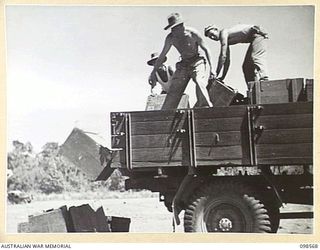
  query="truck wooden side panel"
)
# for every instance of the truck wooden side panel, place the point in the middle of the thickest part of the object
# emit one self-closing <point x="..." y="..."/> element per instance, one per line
<point x="274" y="134"/>
<point x="221" y="136"/>
<point x="157" y="139"/>
<point x="286" y="134"/>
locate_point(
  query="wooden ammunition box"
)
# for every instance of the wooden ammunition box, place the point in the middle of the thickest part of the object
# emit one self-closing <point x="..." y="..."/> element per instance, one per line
<point x="276" y="91"/>
<point x="155" y="102"/>
<point x="85" y="219"/>
<point x="119" y="224"/>
<point x="51" y="221"/>
<point x="220" y="94"/>
<point x="24" y="227"/>
<point x="309" y="90"/>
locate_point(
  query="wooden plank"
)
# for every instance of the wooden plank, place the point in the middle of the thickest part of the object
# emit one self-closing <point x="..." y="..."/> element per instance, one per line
<point x="154" y="164"/>
<point x="284" y="150"/>
<point x="157" y="154"/>
<point x="219" y="124"/>
<point x="220" y="112"/>
<point x="155" y="141"/>
<point x="212" y="155"/>
<point x="157" y="127"/>
<point x="218" y="138"/>
<point x="219" y="153"/>
<point x="202" y="139"/>
<point x="285" y="121"/>
<point x="157" y="115"/>
<point x="283" y="136"/>
<point x="285" y="161"/>
<point x="286" y="108"/>
<point x="221" y="162"/>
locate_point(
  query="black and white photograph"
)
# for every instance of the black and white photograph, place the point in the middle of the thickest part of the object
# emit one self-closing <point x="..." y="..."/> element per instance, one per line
<point x="160" y="119"/>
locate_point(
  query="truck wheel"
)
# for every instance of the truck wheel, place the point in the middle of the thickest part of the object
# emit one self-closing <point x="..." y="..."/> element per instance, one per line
<point x="274" y="215"/>
<point x="225" y="207"/>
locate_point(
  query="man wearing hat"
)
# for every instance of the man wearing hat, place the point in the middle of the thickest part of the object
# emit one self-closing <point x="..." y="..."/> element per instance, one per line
<point x="254" y="66"/>
<point x="163" y="74"/>
<point x="187" y="41"/>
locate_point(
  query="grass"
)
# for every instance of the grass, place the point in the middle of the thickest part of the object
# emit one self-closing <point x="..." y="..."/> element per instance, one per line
<point x="101" y="194"/>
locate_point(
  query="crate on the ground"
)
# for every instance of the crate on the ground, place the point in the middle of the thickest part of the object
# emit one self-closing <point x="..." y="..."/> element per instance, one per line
<point x="24" y="227"/>
<point x="51" y="221"/>
<point x="276" y="91"/>
<point x="77" y="219"/>
<point x="85" y="219"/>
<point x="119" y="224"/>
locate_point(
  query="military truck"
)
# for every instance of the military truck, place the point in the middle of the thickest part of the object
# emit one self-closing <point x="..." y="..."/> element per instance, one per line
<point x="230" y="167"/>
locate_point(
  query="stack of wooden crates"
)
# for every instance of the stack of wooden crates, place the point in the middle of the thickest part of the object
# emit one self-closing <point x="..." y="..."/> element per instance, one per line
<point x="75" y="219"/>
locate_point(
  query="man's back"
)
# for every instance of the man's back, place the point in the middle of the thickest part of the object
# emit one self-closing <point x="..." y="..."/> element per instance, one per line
<point x="240" y="33"/>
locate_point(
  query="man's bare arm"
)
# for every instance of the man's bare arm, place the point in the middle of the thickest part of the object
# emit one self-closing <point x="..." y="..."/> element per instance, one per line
<point x="226" y="65"/>
<point x="160" y="60"/>
<point x="223" y="51"/>
<point x="206" y="50"/>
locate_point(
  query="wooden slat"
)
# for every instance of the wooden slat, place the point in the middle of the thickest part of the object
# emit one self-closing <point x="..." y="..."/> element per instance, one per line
<point x="156" y="127"/>
<point x="285" y="160"/>
<point x="156" y="154"/>
<point x="285" y="121"/>
<point x="219" y="124"/>
<point x="281" y="136"/>
<point x="219" y="153"/>
<point x="221" y="162"/>
<point x="155" y="141"/>
<point x="151" y="164"/>
<point x="284" y="150"/>
<point x="220" y="112"/>
<point x="203" y="153"/>
<point x="157" y="115"/>
<point x="224" y="138"/>
<point x="286" y="108"/>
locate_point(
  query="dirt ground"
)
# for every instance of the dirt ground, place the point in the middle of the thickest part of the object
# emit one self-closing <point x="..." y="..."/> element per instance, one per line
<point x="147" y="215"/>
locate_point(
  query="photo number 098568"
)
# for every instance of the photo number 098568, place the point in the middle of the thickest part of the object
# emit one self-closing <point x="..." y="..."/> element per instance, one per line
<point x="308" y="246"/>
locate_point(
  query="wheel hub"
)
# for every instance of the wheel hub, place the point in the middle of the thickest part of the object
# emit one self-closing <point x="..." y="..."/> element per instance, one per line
<point x="225" y="225"/>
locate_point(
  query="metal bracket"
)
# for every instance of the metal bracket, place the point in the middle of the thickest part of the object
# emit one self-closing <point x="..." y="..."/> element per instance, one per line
<point x="128" y="141"/>
<point x="191" y="137"/>
<point x="256" y="111"/>
<point x="258" y="132"/>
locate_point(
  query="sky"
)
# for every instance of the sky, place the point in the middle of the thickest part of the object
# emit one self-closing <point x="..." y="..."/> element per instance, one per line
<point x="70" y="66"/>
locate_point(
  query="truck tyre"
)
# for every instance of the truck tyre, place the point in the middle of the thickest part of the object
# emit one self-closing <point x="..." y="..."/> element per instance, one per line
<point x="274" y="215"/>
<point x="225" y="207"/>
